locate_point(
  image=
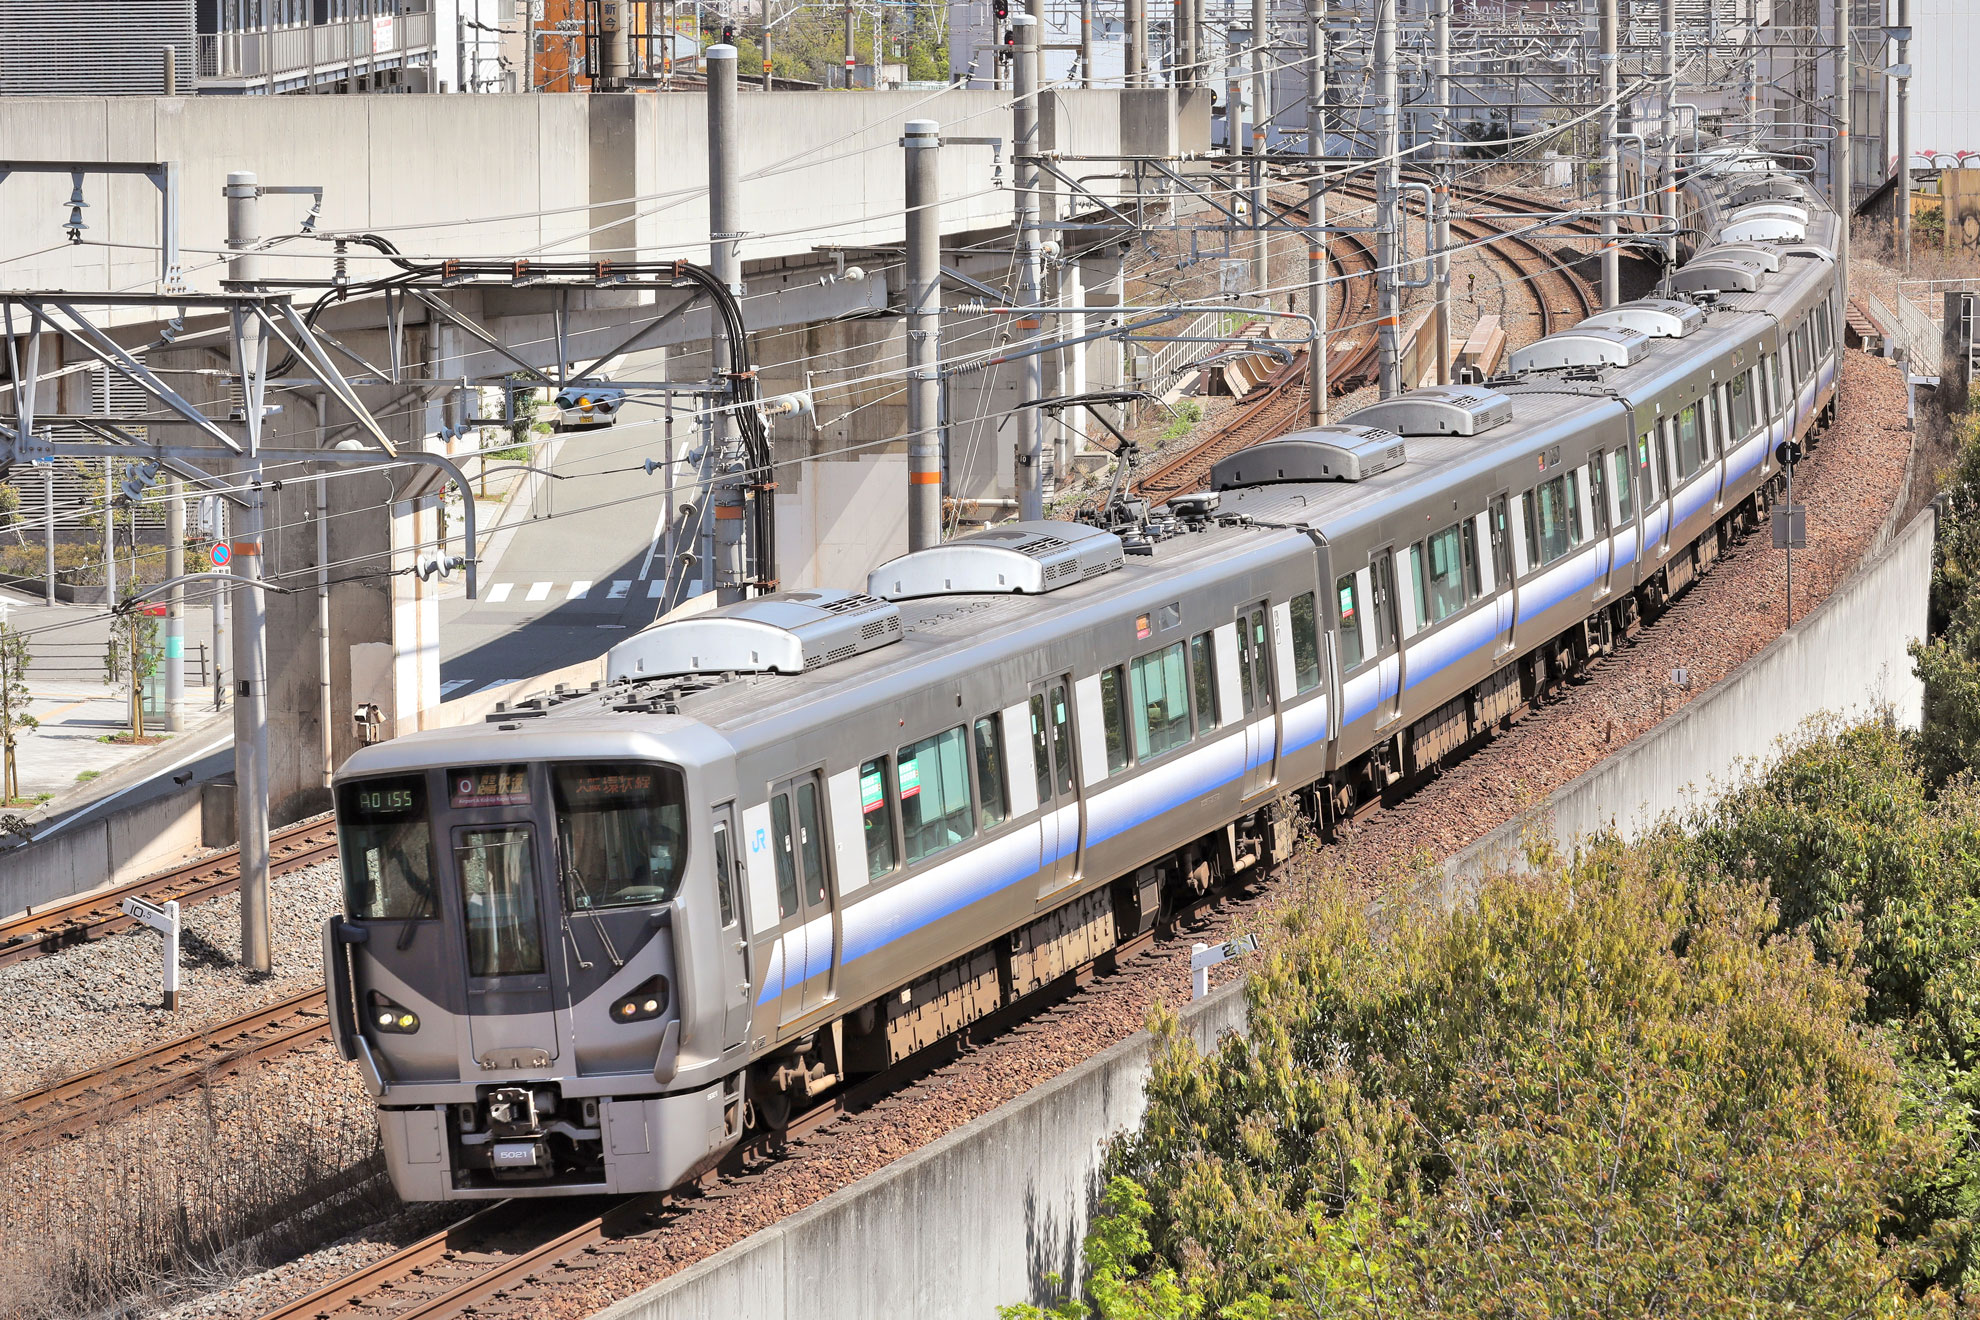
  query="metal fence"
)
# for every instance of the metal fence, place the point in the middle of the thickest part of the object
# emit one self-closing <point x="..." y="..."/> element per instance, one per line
<point x="287" y="52"/>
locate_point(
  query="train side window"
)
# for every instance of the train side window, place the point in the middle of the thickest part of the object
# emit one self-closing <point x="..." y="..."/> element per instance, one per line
<point x="1349" y="598"/>
<point x="1041" y="749"/>
<point x="1554" y="521"/>
<point x="1113" y="719"/>
<point x="992" y="794"/>
<point x="1822" y="319"/>
<point x="725" y="892"/>
<point x="1644" y="443"/>
<point x="934" y="776"/>
<point x="876" y="815"/>
<point x="1468" y="549"/>
<point x="1741" y="403"/>
<point x="1437" y="565"/>
<point x="1305" y="643"/>
<point x="1777" y="394"/>
<point x="1159" y="683"/>
<point x="1619" y="483"/>
<point x="1203" y="670"/>
<point x="786" y="853"/>
<point x="811" y="843"/>
<point x="1501" y="541"/>
<point x="1245" y="665"/>
<point x="1688" y="443"/>
<point x="1062" y="742"/>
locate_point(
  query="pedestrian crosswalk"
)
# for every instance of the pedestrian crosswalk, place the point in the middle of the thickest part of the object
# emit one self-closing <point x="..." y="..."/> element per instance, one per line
<point x="526" y="593"/>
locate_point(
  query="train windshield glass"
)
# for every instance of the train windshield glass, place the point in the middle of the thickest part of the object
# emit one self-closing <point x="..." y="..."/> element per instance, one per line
<point x="621" y="832"/>
<point x="387" y="849"/>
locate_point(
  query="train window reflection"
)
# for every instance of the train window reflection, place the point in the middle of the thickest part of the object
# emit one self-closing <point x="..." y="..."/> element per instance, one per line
<point x="388" y="853"/>
<point x="621" y="832"/>
<point x="991" y="793"/>
<point x="1438" y="567"/>
<point x="1690" y="443"/>
<point x="1305" y="643"/>
<point x="1110" y="718"/>
<point x="1553" y="520"/>
<point x="934" y="794"/>
<point x="1203" y="669"/>
<point x="1350" y="615"/>
<point x="1160" y="684"/>
<point x="498" y="899"/>
<point x="876" y="815"/>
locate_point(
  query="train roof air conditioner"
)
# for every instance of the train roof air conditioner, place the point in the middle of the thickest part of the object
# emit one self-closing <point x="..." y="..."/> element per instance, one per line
<point x="1659" y="318"/>
<point x="1716" y="277"/>
<point x="1766" y="258"/>
<point x="1322" y="453"/>
<point x="1764" y="229"/>
<point x="1026" y="557"/>
<point x="1440" y="410"/>
<point x="1774" y="187"/>
<point x="786" y="632"/>
<point x="1770" y="211"/>
<point x="1583" y="346"/>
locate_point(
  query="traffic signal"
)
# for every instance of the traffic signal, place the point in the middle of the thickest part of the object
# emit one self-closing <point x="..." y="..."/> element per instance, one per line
<point x="1003" y="10"/>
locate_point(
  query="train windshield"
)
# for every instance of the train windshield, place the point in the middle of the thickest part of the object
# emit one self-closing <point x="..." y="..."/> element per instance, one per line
<point x="387" y="849"/>
<point x="621" y="832"/>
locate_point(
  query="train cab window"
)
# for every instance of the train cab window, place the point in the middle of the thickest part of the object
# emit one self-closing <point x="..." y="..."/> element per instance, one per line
<point x="1553" y="520"/>
<point x="621" y="831"/>
<point x="1305" y="644"/>
<point x="1690" y="441"/>
<point x="1159" y="684"/>
<point x="1041" y="749"/>
<point x="786" y="853"/>
<point x="1739" y="400"/>
<point x="497" y="869"/>
<point x="1619" y="485"/>
<point x="1348" y="595"/>
<point x="1113" y="718"/>
<point x="992" y="791"/>
<point x="1203" y="671"/>
<point x="876" y="816"/>
<point x="934" y="794"/>
<point x="1437" y="564"/>
<point x="387" y="849"/>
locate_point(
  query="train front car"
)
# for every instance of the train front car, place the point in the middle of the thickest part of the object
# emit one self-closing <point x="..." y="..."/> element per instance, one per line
<point x="532" y="970"/>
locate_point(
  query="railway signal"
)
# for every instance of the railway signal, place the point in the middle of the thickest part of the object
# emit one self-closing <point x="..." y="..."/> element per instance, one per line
<point x="1790" y="520"/>
<point x="163" y="918"/>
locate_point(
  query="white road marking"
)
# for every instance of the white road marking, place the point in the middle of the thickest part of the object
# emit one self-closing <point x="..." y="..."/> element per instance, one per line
<point x="452" y="684"/>
<point x="498" y="593"/>
<point x="619" y="590"/>
<point x="656" y="588"/>
<point x="538" y="591"/>
<point x="494" y="684"/>
<point x="578" y="589"/>
<point x="653" y="546"/>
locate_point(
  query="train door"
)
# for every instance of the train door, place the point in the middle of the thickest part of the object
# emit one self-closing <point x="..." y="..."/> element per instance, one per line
<point x="804" y="893"/>
<point x="1388" y="699"/>
<point x="1061" y="809"/>
<point x="734" y="954"/>
<point x="507" y="890"/>
<point x="1505" y="584"/>
<point x="1260" y="706"/>
<point x="1599" y="522"/>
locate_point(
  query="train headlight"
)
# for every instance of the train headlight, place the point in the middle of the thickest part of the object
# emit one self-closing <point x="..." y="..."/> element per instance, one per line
<point x="388" y="1016"/>
<point x="648" y="1000"/>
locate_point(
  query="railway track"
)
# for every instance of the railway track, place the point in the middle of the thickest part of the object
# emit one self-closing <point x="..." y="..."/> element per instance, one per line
<point x="95" y="915"/>
<point x="66" y="1108"/>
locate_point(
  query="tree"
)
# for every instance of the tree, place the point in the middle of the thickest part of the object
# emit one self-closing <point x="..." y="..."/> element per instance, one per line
<point x="131" y="656"/>
<point x="1949" y="663"/>
<point x="14" y="699"/>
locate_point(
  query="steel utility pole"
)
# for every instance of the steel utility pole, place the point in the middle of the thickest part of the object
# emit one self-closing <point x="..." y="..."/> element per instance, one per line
<point x="1024" y="144"/>
<point x="109" y="531"/>
<point x="924" y="329"/>
<point x="1611" y="173"/>
<point x="1440" y="68"/>
<point x="175" y="605"/>
<point x="250" y="610"/>
<point x="1842" y="198"/>
<point x="1316" y="208"/>
<point x="1182" y="63"/>
<point x="728" y="574"/>
<point x="1261" y="109"/>
<point x="1388" y="147"/>
<point x="1667" y="171"/>
<point x="1135" y="19"/>
<point x="1903" y="72"/>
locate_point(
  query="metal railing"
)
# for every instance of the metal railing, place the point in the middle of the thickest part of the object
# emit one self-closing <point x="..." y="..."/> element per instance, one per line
<point x="286" y="52"/>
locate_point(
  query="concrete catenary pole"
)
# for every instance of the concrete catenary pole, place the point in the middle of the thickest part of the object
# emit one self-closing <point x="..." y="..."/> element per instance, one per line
<point x="849" y="46"/>
<point x="1611" y="173"/>
<point x="250" y="613"/>
<point x="109" y="531"/>
<point x="1261" y="110"/>
<point x="1440" y="70"/>
<point x="1024" y="143"/>
<point x="1842" y="199"/>
<point x="1086" y="43"/>
<point x="1135" y="19"/>
<point x="924" y="330"/>
<point x="1667" y="197"/>
<point x="48" y="529"/>
<point x="724" y="257"/>
<point x="175" y="604"/>
<point x="1316" y="207"/>
<point x="1904" y="134"/>
<point x="1182" y="60"/>
<point x="766" y="48"/>
<point x="1387" y="218"/>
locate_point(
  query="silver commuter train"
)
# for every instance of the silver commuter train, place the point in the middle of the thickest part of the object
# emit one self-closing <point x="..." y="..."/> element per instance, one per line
<point x="589" y="944"/>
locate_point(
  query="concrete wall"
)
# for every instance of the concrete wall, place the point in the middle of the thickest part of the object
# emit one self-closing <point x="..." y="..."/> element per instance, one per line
<point x="1846" y="658"/>
<point x="958" y="1228"/>
<point x="118" y="848"/>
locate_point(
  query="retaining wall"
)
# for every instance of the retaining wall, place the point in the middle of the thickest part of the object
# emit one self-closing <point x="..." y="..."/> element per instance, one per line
<point x="1847" y="657"/>
<point x="122" y="846"/>
<point x="971" y="1222"/>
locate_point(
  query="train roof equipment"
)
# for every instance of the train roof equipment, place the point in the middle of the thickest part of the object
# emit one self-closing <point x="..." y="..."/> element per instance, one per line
<point x="786" y="632"/>
<point x="1658" y="318"/>
<point x="1321" y="453"/>
<point x="1461" y="410"/>
<point x="1763" y="229"/>
<point x="1030" y="558"/>
<point x="1766" y="258"/>
<point x="1728" y="275"/>
<point x="1582" y="346"/>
